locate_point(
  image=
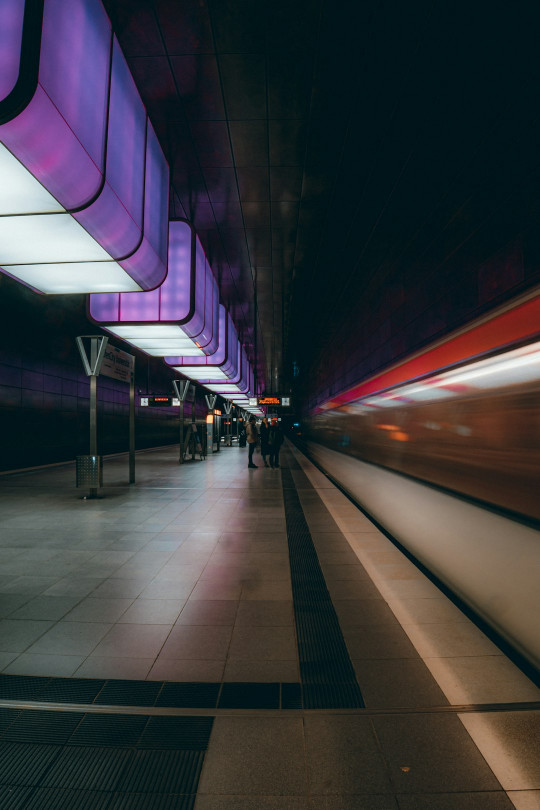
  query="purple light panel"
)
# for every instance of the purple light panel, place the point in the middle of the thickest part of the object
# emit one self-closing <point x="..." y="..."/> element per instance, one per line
<point x="217" y="358"/>
<point x="11" y="23"/>
<point x="115" y="218"/>
<point x="85" y="137"/>
<point x="148" y="265"/>
<point x="238" y="382"/>
<point x="224" y="363"/>
<point x="188" y="298"/>
<point x="60" y="135"/>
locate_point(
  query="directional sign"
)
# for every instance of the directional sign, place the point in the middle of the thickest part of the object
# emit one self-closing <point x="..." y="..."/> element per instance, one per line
<point x="284" y="402"/>
<point x="160" y="402"/>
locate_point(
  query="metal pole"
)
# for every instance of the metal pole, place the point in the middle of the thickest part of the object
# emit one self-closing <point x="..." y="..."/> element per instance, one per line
<point x="181" y="458"/>
<point x="132" y="424"/>
<point x="93" y="408"/>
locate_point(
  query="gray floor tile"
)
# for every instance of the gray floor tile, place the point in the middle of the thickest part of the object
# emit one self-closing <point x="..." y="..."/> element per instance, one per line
<point x="46" y="607"/>
<point x="197" y="643"/>
<point x="152" y="611"/>
<point x="378" y="641"/>
<point x="95" y="609"/>
<point x="262" y="671"/>
<point x="432" y="611"/>
<point x="338" y="558"/>
<point x="120" y="588"/>
<point x="510" y="742"/>
<point x="171" y="669"/>
<point x="267" y="590"/>
<point x="404" y="682"/>
<point x="451" y="639"/>
<point x="28" y="585"/>
<point x="263" y="644"/>
<point x="59" y="666"/>
<point x="6" y="659"/>
<point x="437" y="751"/>
<point x="133" y="641"/>
<point x="167" y="589"/>
<point x="262" y="613"/>
<point x="74" y="586"/>
<point x="344" y="757"/>
<point x="255" y="756"/>
<point x="16" y="635"/>
<point x="489" y="800"/>
<point x="350" y="589"/>
<point x="483" y="679"/>
<point x="210" y="590"/>
<point x="357" y="802"/>
<point x="364" y="612"/>
<point x="252" y="803"/>
<point x="9" y="602"/>
<point x="210" y="612"/>
<point x="182" y="574"/>
<point x="355" y="573"/>
<point x="96" y="666"/>
<point x="70" y="638"/>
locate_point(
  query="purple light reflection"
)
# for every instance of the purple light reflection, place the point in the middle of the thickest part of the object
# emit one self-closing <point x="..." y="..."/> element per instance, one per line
<point x="60" y="136"/>
<point x="172" y="301"/>
<point x="11" y="23"/>
<point x="217" y="358"/>
<point x="115" y="218"/>
<point x="148" y="265"/>
<point x="51" y="146"/>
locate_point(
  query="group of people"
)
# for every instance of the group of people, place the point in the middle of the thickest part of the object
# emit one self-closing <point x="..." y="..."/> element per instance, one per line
<point x="271" y="437"/>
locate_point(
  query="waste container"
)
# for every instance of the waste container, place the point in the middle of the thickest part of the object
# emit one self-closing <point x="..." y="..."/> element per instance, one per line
<point x="89" y="471"/>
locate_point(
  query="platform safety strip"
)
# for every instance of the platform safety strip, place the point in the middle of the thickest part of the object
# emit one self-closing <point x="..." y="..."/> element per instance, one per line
<point x="326" y="671"/>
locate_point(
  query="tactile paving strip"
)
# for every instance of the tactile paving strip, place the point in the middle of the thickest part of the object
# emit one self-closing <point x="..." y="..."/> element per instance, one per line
<point x="146" y="693"/>
<point x="100" y="760"/>
<point x="326" y="671"/>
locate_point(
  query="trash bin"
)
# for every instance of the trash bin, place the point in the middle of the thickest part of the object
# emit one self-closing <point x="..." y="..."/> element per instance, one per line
<point x="89" y="471"/>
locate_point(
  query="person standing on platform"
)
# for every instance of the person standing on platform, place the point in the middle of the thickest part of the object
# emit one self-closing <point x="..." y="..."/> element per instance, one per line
<point x="265" y="447"/>
<point x="275" y="440"/>
<point x="252" y="437"/>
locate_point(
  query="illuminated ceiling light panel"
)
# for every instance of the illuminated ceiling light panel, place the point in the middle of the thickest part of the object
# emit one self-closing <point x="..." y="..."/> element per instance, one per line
<point x="224" y="365"/>
<point x="84" y="191"/>
<point x="181" y="317"/>
<point x="239" y="384"/>
<point x="236" y="384"/>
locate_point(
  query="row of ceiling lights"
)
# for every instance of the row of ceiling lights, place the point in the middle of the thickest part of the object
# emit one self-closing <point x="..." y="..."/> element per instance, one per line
<point x="84" y="195"/>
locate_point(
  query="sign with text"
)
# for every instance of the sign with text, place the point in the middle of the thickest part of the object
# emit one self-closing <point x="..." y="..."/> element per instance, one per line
<point x="284" y="402"/>
<point x="117" y="364"/>
<point x="159" y="402"/>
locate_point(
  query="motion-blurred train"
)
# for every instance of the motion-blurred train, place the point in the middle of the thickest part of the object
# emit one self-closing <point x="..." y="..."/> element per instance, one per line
<point x="474" y="430"/>
<point x="443" y="450"/>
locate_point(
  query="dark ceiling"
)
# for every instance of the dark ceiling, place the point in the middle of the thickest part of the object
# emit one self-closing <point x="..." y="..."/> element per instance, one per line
<point x="323" y="147"/>
<point x="330" y="152"/>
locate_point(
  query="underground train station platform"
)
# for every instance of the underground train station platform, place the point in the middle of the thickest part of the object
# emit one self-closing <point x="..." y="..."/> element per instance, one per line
<point x="224" y="638"/>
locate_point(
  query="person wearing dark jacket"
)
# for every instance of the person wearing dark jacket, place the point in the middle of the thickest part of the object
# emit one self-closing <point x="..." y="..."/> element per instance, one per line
<point x="275" y="440"/>
<point x="252" y="438"/>
<point x="263" y="432"/>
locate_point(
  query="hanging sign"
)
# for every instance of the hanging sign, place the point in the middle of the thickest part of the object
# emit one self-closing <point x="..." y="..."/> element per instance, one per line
<point x="117" y="364"/>
<point x="160" y="402"/>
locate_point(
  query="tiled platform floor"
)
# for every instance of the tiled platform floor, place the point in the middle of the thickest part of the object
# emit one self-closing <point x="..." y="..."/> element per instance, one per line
<point x="185" y="577"/>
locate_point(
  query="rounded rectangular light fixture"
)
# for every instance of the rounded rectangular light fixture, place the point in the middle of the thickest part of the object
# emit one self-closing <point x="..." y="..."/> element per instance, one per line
<point x="84" y="179"/>
<point x="180" y="317"/>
